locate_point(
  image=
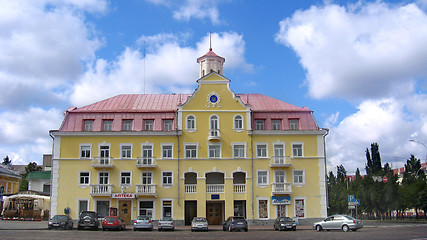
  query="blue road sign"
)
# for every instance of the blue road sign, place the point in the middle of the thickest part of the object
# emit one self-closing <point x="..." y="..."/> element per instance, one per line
<point x="351" y="198"/>
<point x="357" y="202"/>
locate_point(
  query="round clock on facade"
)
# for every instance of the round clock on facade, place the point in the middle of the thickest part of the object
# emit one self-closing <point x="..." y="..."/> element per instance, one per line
<point x="213" y="99"/>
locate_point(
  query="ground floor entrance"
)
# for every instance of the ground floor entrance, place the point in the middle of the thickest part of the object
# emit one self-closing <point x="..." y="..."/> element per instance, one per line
<point x="214" y="212"/>
<point x="125" y="210"/>
<point x="190" y="211"/>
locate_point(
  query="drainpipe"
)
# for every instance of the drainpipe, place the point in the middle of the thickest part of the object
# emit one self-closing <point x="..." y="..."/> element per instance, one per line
<point x="179" y="151"/>
<point x="326" y="171"/>
<point x="252" y="169"/>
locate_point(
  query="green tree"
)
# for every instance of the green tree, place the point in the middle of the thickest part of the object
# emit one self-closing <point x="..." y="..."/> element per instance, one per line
<point x="31" y="167"/>
<point x="413" y="190"/>
<point x="7" y="161"/>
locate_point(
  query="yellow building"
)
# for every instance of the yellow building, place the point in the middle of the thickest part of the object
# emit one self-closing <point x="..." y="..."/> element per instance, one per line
<point x="9" y="181"/>
<point x="212" y="153"/>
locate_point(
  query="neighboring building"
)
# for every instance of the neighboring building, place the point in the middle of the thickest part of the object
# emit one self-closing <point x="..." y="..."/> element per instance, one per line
<point x="212" y="153"/>
<point x="39" y="181"/>
<point x="9" y="180"/>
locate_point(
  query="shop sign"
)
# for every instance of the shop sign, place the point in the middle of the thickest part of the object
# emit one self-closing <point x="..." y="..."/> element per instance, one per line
<point x="285" y="200"/>
<point x="123" y="195"/>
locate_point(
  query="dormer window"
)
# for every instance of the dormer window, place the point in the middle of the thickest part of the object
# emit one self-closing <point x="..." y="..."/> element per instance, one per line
<point x="293" y="124"/>
<point x="127" y="125"/>
<point x="276" y="124"/>
<point x="259" y="124"/>
<point x="88" y="125"/>
<point x="149" y="125"/>
<point x="108" y="125"/>
<point x="167" y="125"/>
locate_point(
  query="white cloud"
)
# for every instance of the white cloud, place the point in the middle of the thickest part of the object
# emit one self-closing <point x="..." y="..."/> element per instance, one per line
<point x="167" y="67"/>
<point x="386" y="122"/>
<point x="369" y="50"/>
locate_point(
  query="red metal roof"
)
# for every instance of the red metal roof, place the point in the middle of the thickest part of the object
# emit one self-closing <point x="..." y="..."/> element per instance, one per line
<point x="259" y="102"/>
<point x="210" y="54"/>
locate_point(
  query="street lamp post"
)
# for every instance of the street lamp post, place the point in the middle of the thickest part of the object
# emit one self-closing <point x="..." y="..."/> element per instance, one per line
<point x="425" y="146"/>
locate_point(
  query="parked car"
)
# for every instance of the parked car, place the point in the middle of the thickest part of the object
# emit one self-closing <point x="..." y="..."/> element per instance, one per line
<point x="88" y="219"/>
<point x="165" y="223"/>
<point x="60" y="221"/>
<point x="113" y="222"/>
<point x="199" y="224"/>
<point x="235" y="223"/>
<point x="143" y="223"/>
<point x="284" y="223"/>
<point x="342" y="222"/>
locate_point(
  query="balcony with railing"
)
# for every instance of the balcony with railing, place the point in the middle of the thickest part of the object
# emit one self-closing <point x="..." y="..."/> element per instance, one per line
<point x="190" y="188"/>
<point x="146" y="162"/>
<point x="214" y="188"/>
<point x="214" y="134"/>
<point x="239" y="188"/>
<point x="280" y="161"/>
<point x="146" y="190"/>
<point x="102" y="162"/>
<point x="101" y="189"/>
<point x="281" y="188"/>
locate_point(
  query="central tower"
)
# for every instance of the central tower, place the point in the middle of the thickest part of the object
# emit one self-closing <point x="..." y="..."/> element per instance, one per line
<point x="210" y="62"/>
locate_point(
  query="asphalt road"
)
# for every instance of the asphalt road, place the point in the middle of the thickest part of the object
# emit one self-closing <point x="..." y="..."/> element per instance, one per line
<point x="371" y="230"/>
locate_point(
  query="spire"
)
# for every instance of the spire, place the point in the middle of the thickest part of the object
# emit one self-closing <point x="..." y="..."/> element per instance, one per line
<point x="210" y="62"/>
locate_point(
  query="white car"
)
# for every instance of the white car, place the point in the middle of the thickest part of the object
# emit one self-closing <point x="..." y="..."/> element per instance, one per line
<point x="338" y="222"/>
<point x="199" y="224"/>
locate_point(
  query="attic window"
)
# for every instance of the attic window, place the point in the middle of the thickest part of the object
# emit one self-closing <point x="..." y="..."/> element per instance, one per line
<point x="88" y="125"/>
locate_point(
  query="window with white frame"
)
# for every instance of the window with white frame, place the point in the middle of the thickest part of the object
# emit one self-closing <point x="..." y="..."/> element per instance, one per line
<point x="147" y="154"/>
<point x="83" y="205"/>
<point x="167" y="179"/>
<point x="126" y="150"/>
<point x="127" y="125"/>
<point x="279" y="176"/>
<point x="108" y="125"/>
<point x="149" y="125"/>
<point x="167" y="125"/>
<point x="191" y="151"/>
<point x="167" y="208"/>
<point x="214" y="126"/>
<point x="167" y="151"/>
<point x="261" y="150"/>
<point x="214" y="150"/>
<point x="297" y="150"/>
<point x="103" y="177"/>
<point x="293" y="124"/>
<point x="299" y="177"/>
<point x="239" y="150"/>
<point x="276" y="124"/>
<point x="85" y="151"/>
<point x="104" y="151"/>
<point x="191" y="123"/>
<point x="84" y="178"/>
<point x="299" y="203"/>
<point x="125" y="178"/>
<point x="262" y="177"/>
<point x="147" y="178"/>
<point x="146" y="208"/>
<point x="88" y="125"/>
<point x="238" y="122"/>
<point x="259" y="124"/>
<point x="263" y="208"/>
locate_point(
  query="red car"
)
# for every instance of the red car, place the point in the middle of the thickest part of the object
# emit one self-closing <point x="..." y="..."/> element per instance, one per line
<point x="113" y="222"/>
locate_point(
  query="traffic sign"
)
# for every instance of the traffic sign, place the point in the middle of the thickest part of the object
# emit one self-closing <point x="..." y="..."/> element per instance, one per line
<point x="385" y="179"/>
<point x="351" y="198"/>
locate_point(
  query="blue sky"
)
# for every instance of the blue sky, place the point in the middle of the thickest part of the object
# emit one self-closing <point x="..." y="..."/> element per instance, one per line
<point x="361" y="66"/>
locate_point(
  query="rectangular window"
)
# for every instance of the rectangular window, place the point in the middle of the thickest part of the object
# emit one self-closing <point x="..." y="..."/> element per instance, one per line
<point x="261" y="150"/>
<point x="104" y="151"/>
<point x="167" y="208"/>
<point x="147" y="154"/>
<point x="276" y="124"/>
<point x="298" y="176"/>
<point x="167" y="151"/>
<point x="149" y="125"/>
<point x="83" y="206"/>
<point x="279" y="176"/>
<point x="259" y="124"/>
<point x="214" y="151"/>
<point x="297" y="150"/>
<point x="126" y="151"/>
<point x="238" y="122"/>
<point x="167" y="179"/>
<point x="263" y="208"/>
<point x="88" y="125"/>
<point x="146" y="208"/>
<point x="300" y="208"/>
<point x="84" y="178"/>
<point x="102" y="208"/>
<point x="103" y="177"/>
<point x="191" y="151"/>
<point x="125" y="178"/>
<point x="262" y="177"/>
<point x="239" y="151"/>
<point x="167" y="125"/>
<point x="147" y="178"/>
<point x="85" y="151"/>
<point x="127" y="125"/>
<point x="108" y="125"/>
<point x="293" y="124"/>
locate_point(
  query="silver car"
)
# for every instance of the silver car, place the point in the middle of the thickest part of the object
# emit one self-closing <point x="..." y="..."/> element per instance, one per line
<point x="165" y="223"/>
<point x="199" y="224"/>
<point x="335" y="222"/>
<point x="143" y="223"/>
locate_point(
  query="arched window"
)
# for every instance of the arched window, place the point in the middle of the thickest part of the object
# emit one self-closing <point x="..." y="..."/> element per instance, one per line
<point x="238" y="122"/>
<point x="191" y="123"/>
<point x="214" y="123"/>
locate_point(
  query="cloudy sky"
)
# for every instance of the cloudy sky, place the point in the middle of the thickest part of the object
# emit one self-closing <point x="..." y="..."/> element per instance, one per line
<point x="361" y="66"/>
